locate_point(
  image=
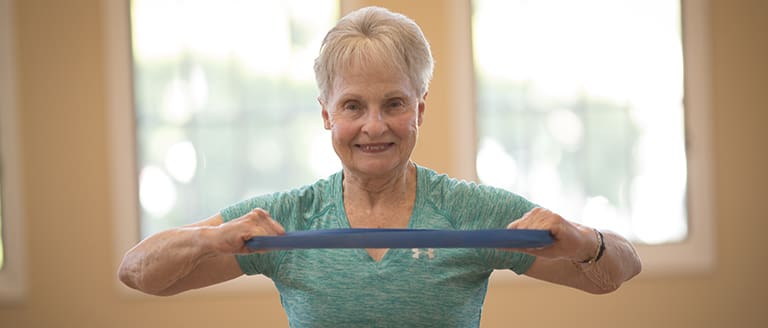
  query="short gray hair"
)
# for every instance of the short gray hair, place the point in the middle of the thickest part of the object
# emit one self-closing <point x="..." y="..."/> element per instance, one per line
<point x="371" y="34"/>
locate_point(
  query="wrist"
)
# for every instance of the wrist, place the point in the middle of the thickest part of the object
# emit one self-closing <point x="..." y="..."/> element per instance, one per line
<point x="598" y="249"/>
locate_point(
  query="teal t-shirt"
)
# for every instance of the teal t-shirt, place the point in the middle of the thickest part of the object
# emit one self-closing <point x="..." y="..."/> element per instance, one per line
<point x="408" y="287"/>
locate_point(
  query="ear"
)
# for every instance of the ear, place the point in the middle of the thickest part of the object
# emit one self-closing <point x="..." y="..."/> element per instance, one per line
<point x="422" y="107"/>
<point x="326" y="117"/>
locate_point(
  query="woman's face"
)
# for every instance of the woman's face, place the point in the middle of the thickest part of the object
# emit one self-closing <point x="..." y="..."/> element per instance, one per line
<point x="374" y="116"/>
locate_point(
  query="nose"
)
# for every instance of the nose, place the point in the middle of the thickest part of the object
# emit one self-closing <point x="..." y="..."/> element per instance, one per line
<point x="375" y="123"/>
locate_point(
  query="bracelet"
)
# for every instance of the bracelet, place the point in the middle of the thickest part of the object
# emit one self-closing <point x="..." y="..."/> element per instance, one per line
<point x="599" y="250"/>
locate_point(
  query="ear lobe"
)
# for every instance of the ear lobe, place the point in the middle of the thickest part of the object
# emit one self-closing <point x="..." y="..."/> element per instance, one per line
<point x="326" y="117"/>
<point x="422" y="107"/>
<point x="420" y="115"/>
<point x="326" y="120"/>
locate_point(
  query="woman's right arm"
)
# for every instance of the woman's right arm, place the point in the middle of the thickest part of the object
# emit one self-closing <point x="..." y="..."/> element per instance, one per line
<point x="193" y="256"/>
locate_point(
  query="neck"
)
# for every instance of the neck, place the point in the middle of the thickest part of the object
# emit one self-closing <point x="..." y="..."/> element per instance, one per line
<point x="388" y="189"/>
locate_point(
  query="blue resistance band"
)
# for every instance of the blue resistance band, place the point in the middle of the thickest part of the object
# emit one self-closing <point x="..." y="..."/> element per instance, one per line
<point x="404" y="238"/>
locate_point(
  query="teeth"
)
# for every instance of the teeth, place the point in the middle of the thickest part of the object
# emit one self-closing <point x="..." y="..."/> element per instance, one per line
<point x="373" y="147"/>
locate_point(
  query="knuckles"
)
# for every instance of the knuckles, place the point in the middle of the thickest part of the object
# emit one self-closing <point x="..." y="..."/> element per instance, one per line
<point x="540" y="218"/>
<point x="260" y="222"/>
<point x="257" y="215"/>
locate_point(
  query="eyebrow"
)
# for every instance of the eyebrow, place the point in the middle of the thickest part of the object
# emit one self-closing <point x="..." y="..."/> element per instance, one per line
<point x="392" y="94"/>
<point x="356" y="96"/>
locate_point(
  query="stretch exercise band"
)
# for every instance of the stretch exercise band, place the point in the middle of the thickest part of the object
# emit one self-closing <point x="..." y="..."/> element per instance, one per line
<point x="404" y="238"/>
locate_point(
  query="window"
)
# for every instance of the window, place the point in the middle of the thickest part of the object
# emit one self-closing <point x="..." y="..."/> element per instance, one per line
<point x="225" y="103"/>
<point x="580" y="108"/>
<point x="223" y="99"/>
<point x="12" y="281"/>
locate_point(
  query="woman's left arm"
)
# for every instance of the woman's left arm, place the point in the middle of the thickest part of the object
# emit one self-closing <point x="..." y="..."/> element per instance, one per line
<point x="572" y="260"/>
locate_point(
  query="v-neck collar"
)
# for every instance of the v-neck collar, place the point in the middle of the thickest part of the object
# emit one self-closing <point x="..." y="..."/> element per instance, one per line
<point x="338" y="193"/>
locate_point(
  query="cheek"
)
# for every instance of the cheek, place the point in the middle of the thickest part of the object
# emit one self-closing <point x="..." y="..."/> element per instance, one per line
<point x="342" y="133"/>
<point x="408" y="127"/>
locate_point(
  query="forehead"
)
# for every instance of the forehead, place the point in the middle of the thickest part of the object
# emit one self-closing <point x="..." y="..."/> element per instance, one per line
<point x="374" y="76"/>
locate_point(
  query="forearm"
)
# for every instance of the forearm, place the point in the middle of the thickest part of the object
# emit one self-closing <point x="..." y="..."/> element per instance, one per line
<point x="618" y="264"/>
<point x="161" y="260"/>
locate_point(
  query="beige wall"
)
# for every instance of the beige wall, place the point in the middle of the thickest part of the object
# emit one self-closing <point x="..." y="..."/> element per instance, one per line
<point x="67" y="188"/>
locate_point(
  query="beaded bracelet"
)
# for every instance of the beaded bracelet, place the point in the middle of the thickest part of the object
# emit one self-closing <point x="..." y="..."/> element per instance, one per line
<point x="599" y="250"/>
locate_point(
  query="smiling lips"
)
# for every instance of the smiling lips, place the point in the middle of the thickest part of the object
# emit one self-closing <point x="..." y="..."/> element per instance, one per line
<point x="375" y="147"/>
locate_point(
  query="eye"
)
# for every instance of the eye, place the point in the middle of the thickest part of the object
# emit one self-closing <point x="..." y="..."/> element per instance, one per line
<point x="352" y="106"/>
<point x="396" y="103"/>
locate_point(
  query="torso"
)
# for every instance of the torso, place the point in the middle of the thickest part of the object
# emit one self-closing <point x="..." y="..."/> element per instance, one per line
<point x="426" y="287"/>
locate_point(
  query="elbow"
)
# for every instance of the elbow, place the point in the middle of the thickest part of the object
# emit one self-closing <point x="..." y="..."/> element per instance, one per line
<point x="633" y="267"/>
<point x="612" y="285"/>
<point x="603" y="289"/>
<point x="130" y="276"/>
<point x="636" y="268"/>
<point x="127" y="275"/>
<point x="130" y="280"/>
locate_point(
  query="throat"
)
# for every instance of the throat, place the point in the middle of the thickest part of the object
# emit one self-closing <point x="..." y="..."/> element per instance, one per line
<point x="394" y="216"/>
<point x="387" y="210"/>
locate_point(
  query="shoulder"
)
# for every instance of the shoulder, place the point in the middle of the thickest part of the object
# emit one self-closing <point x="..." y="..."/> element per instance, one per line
<point x="440" y="186"/>
<point x="302" y="200"/>
<point x="469" y="203"/>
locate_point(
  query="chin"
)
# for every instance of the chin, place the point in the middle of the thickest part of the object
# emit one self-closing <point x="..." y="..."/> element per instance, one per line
<point x="376" y="168"/>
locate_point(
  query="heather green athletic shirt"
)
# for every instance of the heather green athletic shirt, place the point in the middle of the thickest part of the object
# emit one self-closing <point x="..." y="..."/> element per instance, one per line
<point x="408" y="287"/>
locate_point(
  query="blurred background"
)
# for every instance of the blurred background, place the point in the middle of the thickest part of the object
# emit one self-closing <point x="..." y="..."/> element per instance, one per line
<point x="596" y="128"/>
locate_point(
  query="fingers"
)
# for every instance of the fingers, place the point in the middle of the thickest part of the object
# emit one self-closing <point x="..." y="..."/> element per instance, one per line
<point x="566" y="235"/>
<point x="231" y="237"/>
<point x="538" y="218"/>
<point x="261" y="223"/>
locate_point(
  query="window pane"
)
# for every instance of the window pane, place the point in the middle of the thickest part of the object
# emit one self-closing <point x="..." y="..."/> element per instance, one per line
<point x="225" y="103"/>
<point x="580" y="109"/>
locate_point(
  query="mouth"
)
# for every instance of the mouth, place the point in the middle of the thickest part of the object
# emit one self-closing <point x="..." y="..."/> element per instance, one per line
<point x="375" y="147"/>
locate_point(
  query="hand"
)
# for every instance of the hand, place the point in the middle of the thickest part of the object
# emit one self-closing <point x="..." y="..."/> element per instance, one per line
<point x="231" y="236"/>
<point x="571" y="241"/>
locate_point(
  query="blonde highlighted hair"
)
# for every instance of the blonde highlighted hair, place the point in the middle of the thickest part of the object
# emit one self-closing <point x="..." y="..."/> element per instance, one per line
<point x="374" y="35"/>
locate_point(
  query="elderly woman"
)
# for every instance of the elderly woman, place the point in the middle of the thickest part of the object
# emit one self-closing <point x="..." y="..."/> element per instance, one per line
<point x="373" y="73"/>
